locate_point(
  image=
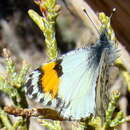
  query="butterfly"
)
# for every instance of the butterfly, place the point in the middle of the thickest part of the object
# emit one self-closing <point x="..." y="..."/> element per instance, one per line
<point x="75" y="84"/>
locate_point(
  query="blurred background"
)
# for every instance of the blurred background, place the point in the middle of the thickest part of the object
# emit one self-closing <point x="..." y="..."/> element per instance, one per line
<point x="23" y="38"/>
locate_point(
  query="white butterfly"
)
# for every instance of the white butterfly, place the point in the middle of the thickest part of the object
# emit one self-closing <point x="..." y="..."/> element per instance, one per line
<point x="75" y="84"/>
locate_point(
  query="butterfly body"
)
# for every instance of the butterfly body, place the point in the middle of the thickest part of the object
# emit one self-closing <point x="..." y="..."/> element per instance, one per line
<point x="73" y="84"/>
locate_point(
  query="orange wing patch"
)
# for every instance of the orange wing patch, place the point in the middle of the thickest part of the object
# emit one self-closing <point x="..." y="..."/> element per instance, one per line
<point x="50" y="80"/>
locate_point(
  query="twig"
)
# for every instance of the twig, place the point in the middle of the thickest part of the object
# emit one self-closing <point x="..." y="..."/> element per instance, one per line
<point x="36" y="112"/>
<point x="79" y="5"/>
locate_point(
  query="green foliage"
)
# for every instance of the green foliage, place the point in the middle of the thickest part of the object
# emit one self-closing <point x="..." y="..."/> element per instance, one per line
<point x="11" y="84"/>
<point x="55" y="125"/>
<point x="46" y="23"/>
<point x="5" y="120"/>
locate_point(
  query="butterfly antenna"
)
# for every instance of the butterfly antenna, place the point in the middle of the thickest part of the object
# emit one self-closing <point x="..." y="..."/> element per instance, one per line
<point x="113" y="11"/>
<point x="91" y="21"/>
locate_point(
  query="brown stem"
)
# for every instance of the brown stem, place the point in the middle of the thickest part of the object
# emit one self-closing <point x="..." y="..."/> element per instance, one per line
<point x="45" y="112"/>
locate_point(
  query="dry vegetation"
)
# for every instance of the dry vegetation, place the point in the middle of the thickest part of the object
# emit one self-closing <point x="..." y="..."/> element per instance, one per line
<point x="25" y="41"/>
